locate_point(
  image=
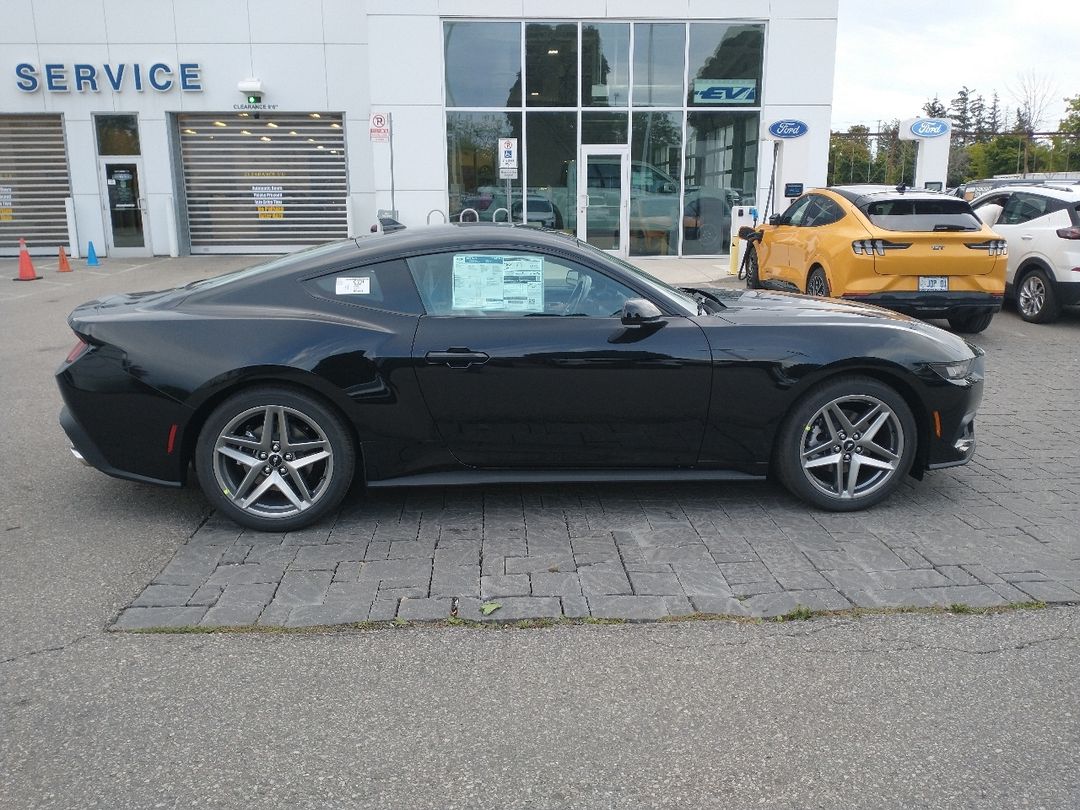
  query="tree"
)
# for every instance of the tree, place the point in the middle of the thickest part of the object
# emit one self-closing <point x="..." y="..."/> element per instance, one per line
<point x="1032" y="94"/>
<point x="935" y="109"/>
<point x="978" y="118"/>
<point x="993" y="116"/>
<point x="960" y="113"/>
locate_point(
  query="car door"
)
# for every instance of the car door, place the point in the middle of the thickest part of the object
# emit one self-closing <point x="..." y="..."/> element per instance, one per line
<point x="776" y="262"/>
<point x="1021" y="220"/>
<point x="523" y="361"/>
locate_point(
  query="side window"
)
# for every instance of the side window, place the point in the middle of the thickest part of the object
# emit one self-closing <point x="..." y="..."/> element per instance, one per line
<point x="830" y="212"/>
<point x="386" y="285"/>
<point x="990" y="209"/>
<point x="487" y="283"/>
<point x="1023" y="208"/>
<point x="796" y="211"/>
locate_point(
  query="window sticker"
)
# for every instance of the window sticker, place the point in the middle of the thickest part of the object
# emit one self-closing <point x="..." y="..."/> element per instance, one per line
<point x="498" y="283"/>
<point x="352" y="286"/>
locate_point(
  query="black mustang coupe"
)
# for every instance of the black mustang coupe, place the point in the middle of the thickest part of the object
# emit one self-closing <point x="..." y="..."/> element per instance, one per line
<point x="484" y="353"/>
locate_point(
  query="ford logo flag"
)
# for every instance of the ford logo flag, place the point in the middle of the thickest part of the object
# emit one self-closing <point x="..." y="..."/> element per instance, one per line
<point x="788" y="128"/>
<point x="929" y="127"/>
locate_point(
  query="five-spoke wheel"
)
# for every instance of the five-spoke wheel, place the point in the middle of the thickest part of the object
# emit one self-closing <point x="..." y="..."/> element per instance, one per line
<point x="1036" y="301"/>
<point x="274" y="458"/>
<point x="848" y="444"/>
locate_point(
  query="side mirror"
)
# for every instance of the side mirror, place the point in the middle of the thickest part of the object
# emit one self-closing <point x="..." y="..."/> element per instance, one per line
<point x="776" y="219"/>
<point x="669" y="188"/>
<point x="638" y="311"/>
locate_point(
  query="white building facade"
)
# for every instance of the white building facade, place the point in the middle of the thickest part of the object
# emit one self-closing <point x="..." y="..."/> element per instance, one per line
<point x="261" y="126"/>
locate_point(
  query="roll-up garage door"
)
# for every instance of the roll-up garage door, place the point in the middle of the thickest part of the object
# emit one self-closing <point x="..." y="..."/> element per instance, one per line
<point x="34" y="182"/>
<point x="263" y="182"/>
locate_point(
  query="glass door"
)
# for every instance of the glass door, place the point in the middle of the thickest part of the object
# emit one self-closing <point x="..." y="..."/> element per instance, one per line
<point x="603" y="183"/>
<point x="125" y="207"/>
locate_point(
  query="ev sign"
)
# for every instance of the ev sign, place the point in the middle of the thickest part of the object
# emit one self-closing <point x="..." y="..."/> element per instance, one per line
<point x="508" y="158"/>
<point x="725" y="91"/>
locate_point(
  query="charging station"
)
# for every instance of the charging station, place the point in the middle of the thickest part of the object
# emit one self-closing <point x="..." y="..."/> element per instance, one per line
<point x="932" y="151"/>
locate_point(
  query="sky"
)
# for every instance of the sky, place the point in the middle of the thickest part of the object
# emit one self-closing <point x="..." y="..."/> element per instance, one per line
<point x="894" y="55"/>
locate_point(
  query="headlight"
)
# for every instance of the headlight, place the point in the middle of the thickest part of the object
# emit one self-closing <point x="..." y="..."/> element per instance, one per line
<point x="955" y="370"/>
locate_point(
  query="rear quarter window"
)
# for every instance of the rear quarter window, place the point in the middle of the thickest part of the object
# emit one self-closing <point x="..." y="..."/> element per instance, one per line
<point x="922" y="215"/>
<point x="386" y="285"/>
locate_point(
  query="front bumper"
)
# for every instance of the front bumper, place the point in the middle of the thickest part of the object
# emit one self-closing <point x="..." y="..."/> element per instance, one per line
<point x="933" y="304"/>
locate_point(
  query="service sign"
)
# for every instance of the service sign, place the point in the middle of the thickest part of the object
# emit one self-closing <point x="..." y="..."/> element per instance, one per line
<point x="79" y="77"/>
<point x="725" y="91"/>
<point x="930" y="128"/>
<point x="788" y="128"/>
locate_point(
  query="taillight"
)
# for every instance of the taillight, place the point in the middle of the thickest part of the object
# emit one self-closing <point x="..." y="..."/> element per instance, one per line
<point x="1069" y="233"/>
<point x="77" y="351"/>
<point x="995" y="247"/>
<point x="869" y="247"/>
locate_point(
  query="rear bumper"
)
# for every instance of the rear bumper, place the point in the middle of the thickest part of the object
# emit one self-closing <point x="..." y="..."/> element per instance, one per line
<point x="933" y="304"/>
<point x="86" y="452"/>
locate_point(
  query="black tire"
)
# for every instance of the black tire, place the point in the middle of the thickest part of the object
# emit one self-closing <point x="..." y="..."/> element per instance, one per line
<point x="812" y="476"/>
<point x="750" y="262"/>
<point x="970" y="324"/>
<point x="290" y="478"/>
<point x="817" y="283"/>
<point x="1036" y="298"/>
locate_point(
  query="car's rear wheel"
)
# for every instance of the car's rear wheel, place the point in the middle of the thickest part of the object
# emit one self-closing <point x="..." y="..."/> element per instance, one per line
<point x="847" y="444"/>
<point x="971" y="324"/>
<point x="1036" y="301"/>
<point x="274" y="459"/>
<point x="817" y="283"/>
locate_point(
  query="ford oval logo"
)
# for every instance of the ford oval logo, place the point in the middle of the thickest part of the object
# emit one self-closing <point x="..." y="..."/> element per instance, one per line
<point x="929" y="127"/>
<point x="789" y="128"/>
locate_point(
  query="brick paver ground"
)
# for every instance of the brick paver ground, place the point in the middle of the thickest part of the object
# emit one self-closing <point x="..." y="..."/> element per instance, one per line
<point x="1004" y="529"/>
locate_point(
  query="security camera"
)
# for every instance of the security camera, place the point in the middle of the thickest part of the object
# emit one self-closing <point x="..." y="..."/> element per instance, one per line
<point x="250" y="86"/>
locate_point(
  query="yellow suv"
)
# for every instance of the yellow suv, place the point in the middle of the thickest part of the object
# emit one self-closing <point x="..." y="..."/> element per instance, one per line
<point x="922" y="253"/>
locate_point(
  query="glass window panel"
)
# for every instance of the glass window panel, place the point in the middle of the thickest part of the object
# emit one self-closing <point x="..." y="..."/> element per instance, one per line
<point x="472" y="164"/>
<point x="603" y="127"/>
<point x="605" y="65"/>
<point x="658" y="64"/>
<point x="483" y="64"/>
<point x="720" y="171"/>
<point x="725" y="64"/>
<point x="117" y="134"/>
<point x="655" y="159"/>
<point x="552" y="158"/>
<point x="551" y="65"/>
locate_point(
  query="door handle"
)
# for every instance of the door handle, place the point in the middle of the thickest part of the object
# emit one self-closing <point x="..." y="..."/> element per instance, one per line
<point x="1026" y="236"/>
<point x="456" y="358"/>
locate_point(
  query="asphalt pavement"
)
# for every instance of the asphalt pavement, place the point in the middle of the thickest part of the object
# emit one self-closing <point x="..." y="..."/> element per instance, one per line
<point x="893" y="710"/>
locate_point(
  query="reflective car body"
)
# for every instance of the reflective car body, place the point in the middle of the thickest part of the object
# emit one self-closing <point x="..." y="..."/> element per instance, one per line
<point x="922" y="253"/>
<point x="631" y="379"/>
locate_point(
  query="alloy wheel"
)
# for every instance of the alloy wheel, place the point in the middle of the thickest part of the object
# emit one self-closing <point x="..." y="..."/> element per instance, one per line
<point x="817" y="285"/>
<point x="1032" y="296"/>
<point x="273" y="461"/>
<point x="852" y="447"/>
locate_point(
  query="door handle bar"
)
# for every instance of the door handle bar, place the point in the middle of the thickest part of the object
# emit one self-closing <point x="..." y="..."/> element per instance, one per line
<point x="457" y="358"/>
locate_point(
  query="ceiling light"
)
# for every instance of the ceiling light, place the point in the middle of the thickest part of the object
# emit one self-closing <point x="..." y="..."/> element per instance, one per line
<point x="552" y="51"/>
<point x="314" y="115"/>
<point x="264" y="138"/>
<point x="220" y="124"/>
<point x="244" y="132"/>
<point x="335" y="126"/>
<point x="271" y="124"/>
<point x="189" y="132"/>
<point x="244" y="115"/>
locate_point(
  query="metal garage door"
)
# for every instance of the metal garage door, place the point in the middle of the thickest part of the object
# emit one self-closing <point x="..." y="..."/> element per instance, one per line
<point x="263" y="182"/>
<point x="33" y="182"/>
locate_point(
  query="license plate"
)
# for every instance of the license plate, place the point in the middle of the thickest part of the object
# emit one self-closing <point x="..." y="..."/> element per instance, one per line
<point x="933" y="283"/>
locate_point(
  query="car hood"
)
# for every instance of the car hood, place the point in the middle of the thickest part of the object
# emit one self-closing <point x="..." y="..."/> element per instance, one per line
<point x="767" y="307"/>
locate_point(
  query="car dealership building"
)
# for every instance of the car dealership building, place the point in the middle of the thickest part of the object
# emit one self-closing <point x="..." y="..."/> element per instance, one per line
<point x="261" y="126"/>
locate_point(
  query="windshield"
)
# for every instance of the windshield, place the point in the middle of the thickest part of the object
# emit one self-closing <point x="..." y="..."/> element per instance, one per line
<point x="679" y="300"/>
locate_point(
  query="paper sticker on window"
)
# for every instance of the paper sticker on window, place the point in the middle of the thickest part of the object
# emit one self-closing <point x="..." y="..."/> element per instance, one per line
<point x="498" y="283"/>
<point x="352" y="286"/>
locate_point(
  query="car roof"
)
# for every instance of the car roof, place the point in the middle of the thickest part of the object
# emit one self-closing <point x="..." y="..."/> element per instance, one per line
<point x="860" y="194"/>
<point x="438" y="237"/>
<point x="1070" y="192"/>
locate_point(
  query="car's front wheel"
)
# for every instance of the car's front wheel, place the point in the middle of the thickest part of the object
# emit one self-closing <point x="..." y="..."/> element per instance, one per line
<point x="274" y="459"/>
<point x="847" y="444"/>
<point x="751" y="267"/>
<point x="1036" y="301"/>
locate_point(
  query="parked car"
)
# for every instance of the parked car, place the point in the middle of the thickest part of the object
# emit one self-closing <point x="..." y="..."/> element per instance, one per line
<point x="541" y="212"/>
<point x="491" y="354"/>
<point x="1042" y="226"/>
<point x="922" y="253"/>
<point x="973" y="189"/>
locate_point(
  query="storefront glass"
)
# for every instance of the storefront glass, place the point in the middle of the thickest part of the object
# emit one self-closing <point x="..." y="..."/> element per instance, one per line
<point x="472" y="143"/>
<point x="611" y="84"/>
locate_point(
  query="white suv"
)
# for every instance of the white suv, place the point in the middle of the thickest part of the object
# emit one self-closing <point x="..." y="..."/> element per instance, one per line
<point x="1041" y="223"/>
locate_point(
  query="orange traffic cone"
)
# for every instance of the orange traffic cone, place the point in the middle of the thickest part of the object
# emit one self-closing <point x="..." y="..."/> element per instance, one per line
<point x="26" y="267"/>
<point x="65" y="265"/>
